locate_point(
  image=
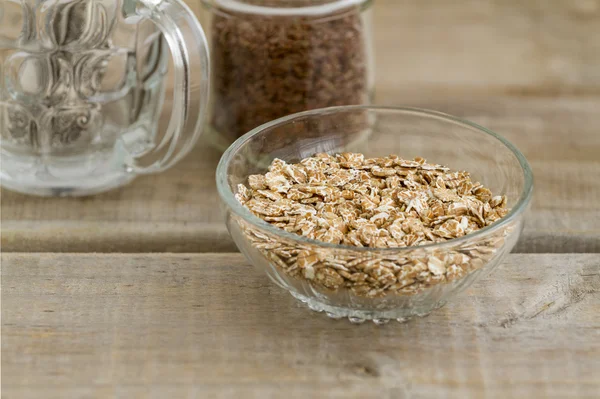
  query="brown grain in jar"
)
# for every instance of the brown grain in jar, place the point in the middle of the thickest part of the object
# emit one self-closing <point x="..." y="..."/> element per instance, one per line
<point x="274" y="58"/>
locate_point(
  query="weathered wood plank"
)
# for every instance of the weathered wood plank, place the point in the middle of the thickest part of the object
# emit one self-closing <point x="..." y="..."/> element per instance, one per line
<point x="525" y="48"/>
<point x="178" y="210"/>
<point x="208" y="325"/>
<point x="534" y="47"/>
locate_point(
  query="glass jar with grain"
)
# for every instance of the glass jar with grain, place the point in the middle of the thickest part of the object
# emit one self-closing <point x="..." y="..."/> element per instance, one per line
<point x="272" y="58"/>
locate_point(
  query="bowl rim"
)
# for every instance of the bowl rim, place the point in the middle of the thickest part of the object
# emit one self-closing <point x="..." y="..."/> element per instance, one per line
<point x="228" y="196"/>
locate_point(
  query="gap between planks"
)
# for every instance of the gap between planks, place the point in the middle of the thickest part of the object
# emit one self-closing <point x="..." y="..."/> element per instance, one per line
<point x="107" y="237"/>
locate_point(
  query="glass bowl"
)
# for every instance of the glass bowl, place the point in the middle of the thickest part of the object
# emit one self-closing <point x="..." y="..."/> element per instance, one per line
<point x="375" y="132"/>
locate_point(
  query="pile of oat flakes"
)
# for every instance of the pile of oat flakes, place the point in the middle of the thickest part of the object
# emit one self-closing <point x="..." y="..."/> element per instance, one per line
<point x="386" y="202"/>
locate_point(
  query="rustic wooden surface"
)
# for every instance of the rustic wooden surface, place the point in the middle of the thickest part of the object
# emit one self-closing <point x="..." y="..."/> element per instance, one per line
<point x="526" y="70"/>
<point x="177" y="211"/>
<point x="209" y="325"/>
<point x="532" y="47"/>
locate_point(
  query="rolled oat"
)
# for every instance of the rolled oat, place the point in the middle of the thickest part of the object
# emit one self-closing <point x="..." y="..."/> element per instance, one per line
<point x="386" y="202"/>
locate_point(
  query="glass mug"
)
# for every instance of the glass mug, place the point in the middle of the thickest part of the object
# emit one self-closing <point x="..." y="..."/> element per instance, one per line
<point x="83" y="84"/>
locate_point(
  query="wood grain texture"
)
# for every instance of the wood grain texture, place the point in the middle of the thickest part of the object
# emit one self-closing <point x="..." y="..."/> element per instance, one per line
<point x="509" y="65"/>
<point x="177" y="211"/>
<point x="507" y="46"/>
<point x="208" y="325"/>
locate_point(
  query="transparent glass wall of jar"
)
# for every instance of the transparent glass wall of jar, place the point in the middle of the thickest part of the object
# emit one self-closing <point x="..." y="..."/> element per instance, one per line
<point x="272" y="58"/>
<point x="82" y="88"/>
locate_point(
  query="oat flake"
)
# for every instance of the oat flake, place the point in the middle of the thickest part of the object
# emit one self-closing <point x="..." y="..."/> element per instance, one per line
<point x="386" y="202"/>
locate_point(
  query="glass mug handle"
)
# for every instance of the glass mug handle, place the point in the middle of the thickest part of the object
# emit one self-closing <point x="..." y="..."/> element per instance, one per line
<point x="188" y="46"/>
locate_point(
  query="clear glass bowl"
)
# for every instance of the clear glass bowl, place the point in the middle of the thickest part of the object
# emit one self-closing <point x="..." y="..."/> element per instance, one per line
<point x="377" y="131"/>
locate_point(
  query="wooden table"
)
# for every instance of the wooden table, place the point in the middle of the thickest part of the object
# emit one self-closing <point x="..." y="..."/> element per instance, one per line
<point x="207" y="325"/>
<point x="139" y="292"/>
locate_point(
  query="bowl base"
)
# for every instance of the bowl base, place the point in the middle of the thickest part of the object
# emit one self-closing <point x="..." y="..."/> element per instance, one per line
<point x="358" y="316"/>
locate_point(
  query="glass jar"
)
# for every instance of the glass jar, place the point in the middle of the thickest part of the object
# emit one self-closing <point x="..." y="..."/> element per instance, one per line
<point x="271" y="58"/>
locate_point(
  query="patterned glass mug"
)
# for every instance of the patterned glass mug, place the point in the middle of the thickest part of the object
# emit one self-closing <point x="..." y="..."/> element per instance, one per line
<point x="83" y="84"/>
